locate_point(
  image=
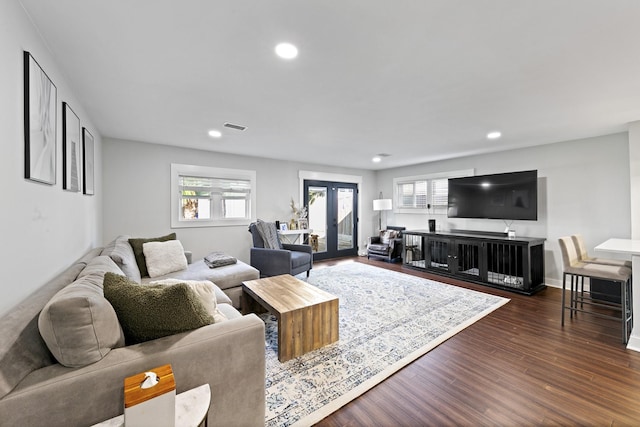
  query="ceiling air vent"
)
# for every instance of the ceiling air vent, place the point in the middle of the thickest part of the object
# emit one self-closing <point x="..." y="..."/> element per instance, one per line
<point x="234" y="126"/>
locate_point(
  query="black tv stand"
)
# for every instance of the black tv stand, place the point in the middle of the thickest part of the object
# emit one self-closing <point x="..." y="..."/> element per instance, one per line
<point x="491" y="259"/>
<point x="478" y="232"/>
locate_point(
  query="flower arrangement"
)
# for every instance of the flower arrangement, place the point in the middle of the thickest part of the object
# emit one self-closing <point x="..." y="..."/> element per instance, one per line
<point x="299" y="219"/>
<point x="298" y="213"/>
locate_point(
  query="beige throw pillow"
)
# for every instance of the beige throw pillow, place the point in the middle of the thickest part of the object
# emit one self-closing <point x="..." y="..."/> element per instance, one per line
<point x="206" y="292"/>
<point x="136" y="246"/>
<point x="164" y="257"/>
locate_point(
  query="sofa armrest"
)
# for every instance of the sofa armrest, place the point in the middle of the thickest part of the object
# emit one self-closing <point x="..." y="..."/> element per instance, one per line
<point x="229" y="356"/>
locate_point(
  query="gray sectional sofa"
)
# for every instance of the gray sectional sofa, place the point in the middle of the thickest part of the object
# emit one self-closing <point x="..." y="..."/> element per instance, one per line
<point x="40" y="389"/>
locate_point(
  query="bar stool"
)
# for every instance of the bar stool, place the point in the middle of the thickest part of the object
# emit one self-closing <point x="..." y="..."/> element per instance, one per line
<point x="583" y="256"/>
<point x="597" y="287"/>
<point x="578" y="270"/>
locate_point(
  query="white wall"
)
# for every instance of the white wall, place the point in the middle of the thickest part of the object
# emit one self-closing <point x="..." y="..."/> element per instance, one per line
<point x="43" y="228"/>
<point x="137" y="185"/>
<point x="634" y="178"/>
<point x="583" y="187"/>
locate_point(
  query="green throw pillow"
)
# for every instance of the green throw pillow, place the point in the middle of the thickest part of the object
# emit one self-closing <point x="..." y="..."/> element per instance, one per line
<point x="136" y="245"/>
<point x="147" y="312"/>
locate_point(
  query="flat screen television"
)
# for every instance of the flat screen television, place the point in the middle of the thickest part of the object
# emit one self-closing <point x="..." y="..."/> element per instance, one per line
<point x="511" y="196"/>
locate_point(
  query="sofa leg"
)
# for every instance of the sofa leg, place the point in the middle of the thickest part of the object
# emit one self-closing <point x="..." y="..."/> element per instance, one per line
<point x="308" y="271"/>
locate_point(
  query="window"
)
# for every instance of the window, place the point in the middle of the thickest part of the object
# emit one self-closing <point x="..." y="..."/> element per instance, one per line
<point x="413" y="194"/>
<point x="424" y="193"/>
<point x="207" y="197"/>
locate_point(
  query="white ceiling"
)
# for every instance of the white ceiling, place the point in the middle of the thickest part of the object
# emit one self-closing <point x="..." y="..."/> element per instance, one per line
<point x="420" y="80"/>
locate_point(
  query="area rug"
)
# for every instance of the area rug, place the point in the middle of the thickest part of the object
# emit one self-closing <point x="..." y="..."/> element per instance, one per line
<point x="387" y="320"/>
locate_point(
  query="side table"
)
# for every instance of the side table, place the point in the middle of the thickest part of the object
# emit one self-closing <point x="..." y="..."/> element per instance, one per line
<point x="192" y="408"/>
<point x="292" y="236"/>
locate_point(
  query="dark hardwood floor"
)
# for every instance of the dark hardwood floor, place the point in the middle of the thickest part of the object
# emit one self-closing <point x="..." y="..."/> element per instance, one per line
<point x="515" y="367"/>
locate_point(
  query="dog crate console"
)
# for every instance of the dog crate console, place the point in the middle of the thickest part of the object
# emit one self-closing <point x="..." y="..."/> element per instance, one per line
<point x="492" y="259"/>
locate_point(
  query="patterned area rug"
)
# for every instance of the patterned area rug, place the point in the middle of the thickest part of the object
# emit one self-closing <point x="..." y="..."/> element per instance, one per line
<point x="387" y="320"/>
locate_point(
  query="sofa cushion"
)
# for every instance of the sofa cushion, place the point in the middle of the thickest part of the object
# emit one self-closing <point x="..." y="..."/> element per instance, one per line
<point x="164" y="257"/>
<point x="229" y="276"/>
<point x="99" y="266"/>
<point x="79" y="325"/>
<point x="153" y="311"/>
<point x="22" y="349"/>
<point x="378" y="248"/>
<point x="121" y="252"/>
<point x="136" y="245"/>
<point x="229" y="312"/>
<point x="206" y="290"/>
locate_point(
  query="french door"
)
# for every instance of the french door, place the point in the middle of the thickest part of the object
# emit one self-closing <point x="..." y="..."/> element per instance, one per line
<point x="333" y="217"/>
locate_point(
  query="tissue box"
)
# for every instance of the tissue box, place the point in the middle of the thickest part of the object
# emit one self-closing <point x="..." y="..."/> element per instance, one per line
<point x="155" y="405"/>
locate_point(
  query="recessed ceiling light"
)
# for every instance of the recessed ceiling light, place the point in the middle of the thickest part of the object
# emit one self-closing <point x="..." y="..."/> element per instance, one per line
<point x="286" y="51"/>
<point x="494" y="135"/>
<point x="214" y="133"/>
<point x="376" y="159"/>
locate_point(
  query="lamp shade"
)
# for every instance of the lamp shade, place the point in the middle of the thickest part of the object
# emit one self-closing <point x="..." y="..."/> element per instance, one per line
<point x="382" y="205"/>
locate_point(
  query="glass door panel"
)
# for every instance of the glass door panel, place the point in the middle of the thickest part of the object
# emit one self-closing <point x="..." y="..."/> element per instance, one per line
<point x="332" y="208"/>
<point x="317" y="208"/>
<point x="345" y="218"/>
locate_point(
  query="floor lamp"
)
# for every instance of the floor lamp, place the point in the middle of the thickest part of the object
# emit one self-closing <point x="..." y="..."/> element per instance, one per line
<point x="382" y="205"/>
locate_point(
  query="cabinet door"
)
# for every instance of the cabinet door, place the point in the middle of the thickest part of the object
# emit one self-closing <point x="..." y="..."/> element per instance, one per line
<point x="466" y="259"/>
<point x="507" y="264"/>
<point x="413" y="250"/>
<point x="437" y="255"/>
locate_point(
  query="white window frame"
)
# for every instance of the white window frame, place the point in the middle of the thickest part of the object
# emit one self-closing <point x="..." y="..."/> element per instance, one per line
<point x="435" y="209"/>
<point x="178" y="170"/>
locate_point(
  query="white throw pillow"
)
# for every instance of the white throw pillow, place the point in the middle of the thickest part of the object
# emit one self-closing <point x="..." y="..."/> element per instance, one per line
<point x="164" y="257"/>
<point x="206" y="292"/>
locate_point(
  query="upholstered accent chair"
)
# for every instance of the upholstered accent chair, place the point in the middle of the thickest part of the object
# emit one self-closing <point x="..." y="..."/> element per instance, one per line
<point x="273" y="257"/>
<point x="387" y="244"/>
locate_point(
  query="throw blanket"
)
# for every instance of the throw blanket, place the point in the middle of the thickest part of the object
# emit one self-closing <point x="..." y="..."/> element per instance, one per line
<point x="269" y="234"/>
<point x="219" y="259"/>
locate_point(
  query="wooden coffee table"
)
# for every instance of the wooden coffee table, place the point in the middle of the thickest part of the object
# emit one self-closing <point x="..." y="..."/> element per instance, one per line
<point x="307" y="316"/>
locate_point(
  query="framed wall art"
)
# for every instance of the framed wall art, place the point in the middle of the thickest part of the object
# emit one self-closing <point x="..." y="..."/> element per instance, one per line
<point x="87" y="163"/>
<point x="70" y="149"/>
<point x="39" y="123"/>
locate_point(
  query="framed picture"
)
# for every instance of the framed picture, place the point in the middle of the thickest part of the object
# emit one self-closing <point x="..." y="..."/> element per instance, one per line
<point x="87" y="163"/>
<point x="303" y="224"/>
<point x="70" y="149"/>
<point x="284" y="226"/>
<point x="39" y="123"/>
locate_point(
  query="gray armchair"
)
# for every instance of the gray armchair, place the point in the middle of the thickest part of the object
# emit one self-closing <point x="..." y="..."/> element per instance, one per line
<point x="289" y="259"/>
